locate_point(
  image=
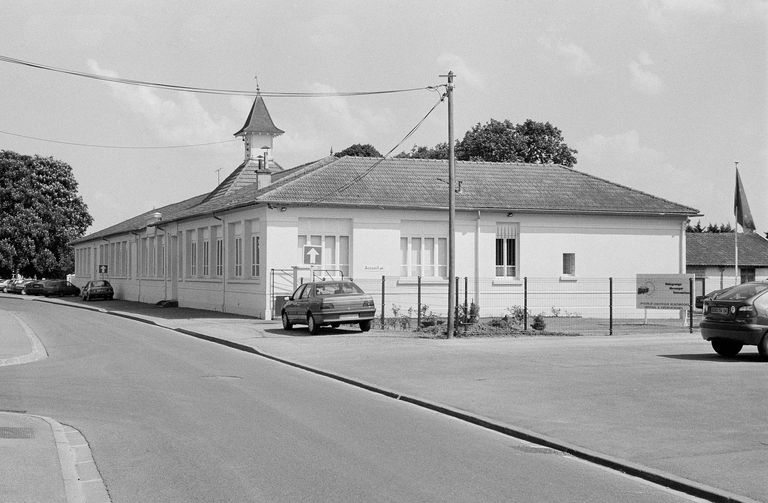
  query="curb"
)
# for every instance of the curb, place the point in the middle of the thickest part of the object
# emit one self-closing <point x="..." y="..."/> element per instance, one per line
<point x="82" y="480"/>
<point x="38" y="350"/>
<point x="654" y="476"/>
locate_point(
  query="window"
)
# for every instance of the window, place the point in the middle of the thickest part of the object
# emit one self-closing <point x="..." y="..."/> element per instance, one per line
<point x="238" y="256"/>
<point x="206" y="257"/>
<point x="569" y="264"/>
<point x="219" y="257"/>
<point x="193" y="258"/>
<point x="335" y="255"/>
<point x="255" y="254"/>
<point x="506" y="250"/>
<point x="424" y="256"/>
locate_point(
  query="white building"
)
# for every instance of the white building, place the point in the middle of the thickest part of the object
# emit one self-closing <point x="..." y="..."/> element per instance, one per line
<point x="263" y="229"/>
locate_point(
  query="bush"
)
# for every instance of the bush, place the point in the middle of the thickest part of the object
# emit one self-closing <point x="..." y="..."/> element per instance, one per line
<point x="538" y="322"/>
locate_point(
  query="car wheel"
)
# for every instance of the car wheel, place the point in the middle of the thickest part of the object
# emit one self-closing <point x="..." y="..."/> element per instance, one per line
<point x="312" y="326"/>
<point x="365" y="325"/>
<point x="287" y="325"/>
<point x="762" y="346"/>
<point x="23" y="291"/>
<point x="726" y="347"/>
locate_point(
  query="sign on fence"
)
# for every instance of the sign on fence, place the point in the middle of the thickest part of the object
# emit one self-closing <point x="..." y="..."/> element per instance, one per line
<point x="663" y="291"/>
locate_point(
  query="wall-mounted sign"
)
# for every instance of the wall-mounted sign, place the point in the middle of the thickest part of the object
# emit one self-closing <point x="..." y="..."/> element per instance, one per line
<point x="313" y="254"/>
<point x="663" y="291"/>
<point x="103" y="268"/>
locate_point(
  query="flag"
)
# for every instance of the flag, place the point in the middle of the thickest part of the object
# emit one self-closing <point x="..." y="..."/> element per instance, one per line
<point x="741" y="206"/>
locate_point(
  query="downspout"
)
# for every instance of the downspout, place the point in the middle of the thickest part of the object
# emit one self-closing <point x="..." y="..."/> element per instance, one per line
<point x="477" y="260"/>
<point x="682" y="267"/>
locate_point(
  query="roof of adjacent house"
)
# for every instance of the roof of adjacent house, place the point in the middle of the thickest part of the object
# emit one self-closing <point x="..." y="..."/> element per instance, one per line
<point x="402" y="183"/>
<point x="259" y="120"/>
<point x="719" y="249"/>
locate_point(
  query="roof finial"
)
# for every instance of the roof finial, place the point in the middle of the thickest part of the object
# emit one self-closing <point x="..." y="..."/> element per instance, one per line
<point x="258" y="90"/>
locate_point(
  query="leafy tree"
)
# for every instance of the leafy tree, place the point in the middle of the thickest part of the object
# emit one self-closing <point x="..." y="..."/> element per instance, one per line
<point x="440" y="151"/>
<point x="497" y="141"/>
<point x="40" y="213"/>
<point x="694" y="228"/>
<point x="359" y="150"/>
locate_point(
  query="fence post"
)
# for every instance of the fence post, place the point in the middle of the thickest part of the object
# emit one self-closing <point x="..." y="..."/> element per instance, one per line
<point x="525" y="303"/>
<point x="418" y="302"/>
<point x="383" y="281"/>
<point x="456" y="301"/>
<point x="690" y="307"/>
<point x="610" y="305"/>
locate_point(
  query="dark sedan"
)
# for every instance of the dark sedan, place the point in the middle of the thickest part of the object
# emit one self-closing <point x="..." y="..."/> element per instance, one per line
<point x="328" y="303"/>
<point x="59" y="288"/>
<point x="98" y="289"/>
<point x="736" y="318"/>
<point x="711" y="295"/>
<point x="36" y="287"/>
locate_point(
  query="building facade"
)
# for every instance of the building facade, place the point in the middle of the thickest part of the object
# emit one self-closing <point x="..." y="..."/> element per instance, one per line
<point x="264" y="229"/>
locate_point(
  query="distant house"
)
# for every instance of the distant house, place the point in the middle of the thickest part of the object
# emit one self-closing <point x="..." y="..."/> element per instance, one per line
<point x="242" y="246"/>
<point x="711" y="256"/>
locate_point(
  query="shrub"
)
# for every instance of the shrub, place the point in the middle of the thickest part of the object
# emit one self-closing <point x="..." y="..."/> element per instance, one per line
<point x="538" y="322"/>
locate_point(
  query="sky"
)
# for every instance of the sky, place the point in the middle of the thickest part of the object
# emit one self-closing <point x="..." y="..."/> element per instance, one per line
<point x="663" y="96"/>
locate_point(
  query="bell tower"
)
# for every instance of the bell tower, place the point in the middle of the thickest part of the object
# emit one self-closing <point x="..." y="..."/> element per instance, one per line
<point x="258" y="134"/>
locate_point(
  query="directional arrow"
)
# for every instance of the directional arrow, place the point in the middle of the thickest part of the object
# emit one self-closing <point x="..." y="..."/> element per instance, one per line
<point x="312" y="255"/>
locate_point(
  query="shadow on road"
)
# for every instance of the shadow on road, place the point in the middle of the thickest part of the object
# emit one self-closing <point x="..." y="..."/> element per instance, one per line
<point x="706" y="357"/>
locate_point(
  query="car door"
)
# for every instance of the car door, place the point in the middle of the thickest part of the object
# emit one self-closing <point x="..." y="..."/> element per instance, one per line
<point x="291" y="308"/>
<point x="302" y="303"/>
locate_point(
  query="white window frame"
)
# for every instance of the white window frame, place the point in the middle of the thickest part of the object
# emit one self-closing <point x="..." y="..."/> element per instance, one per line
<point x="507" y="250"/>
<point x="424" y="255"/>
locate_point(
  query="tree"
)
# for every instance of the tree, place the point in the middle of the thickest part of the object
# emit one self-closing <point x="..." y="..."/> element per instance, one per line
<point x="531" y="141"/>
<point x="497" y="141"/>
<point x="359" y="150"/>
<point x="440" y="151"/>
<point x="713" y="228"/>
<point x="40" y="213"/>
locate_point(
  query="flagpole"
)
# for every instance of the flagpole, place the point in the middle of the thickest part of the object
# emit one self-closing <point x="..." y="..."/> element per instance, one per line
<point x="736" y="238"/>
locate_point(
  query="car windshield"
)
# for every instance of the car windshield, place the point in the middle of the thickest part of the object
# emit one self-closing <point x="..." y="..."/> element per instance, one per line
<point x="100" y="283"/>
<point x="742" y="292"/>
<point x="324" y="289"/>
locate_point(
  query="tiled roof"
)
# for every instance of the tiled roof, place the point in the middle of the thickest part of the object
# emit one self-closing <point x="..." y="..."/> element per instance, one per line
<point x="139" y="222"/>
<point x="718" y="249"/>
<point x="259" y="120"/>
<point x="422" y="183"/>
<point x="244" y="175"/>
<point x="366" y="182"/>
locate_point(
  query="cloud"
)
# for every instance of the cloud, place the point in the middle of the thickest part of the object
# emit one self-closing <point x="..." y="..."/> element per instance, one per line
<point x="664" y="12"/>
<point x="643" y="79"/>
<point x="463" y="72"/>
<point x="623" y="159"/>
<point x="574" y="57"/>
<point x="181" y="120"/>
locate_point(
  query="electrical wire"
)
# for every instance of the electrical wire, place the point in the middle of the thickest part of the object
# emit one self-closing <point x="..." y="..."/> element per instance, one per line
<point x="206" y="90"/>
<point x="382" y="159"/>
<point x="116" y="146"/>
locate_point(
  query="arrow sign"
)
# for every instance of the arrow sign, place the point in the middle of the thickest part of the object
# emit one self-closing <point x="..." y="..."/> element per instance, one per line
<point x="313" y="254"/>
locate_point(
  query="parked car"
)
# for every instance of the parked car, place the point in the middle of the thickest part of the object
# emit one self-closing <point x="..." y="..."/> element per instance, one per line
<point x="98" y="289"/>
<point x="34" y="287"/>
<point x="59" y="287"/>
<point x="711" y="295"/>
<point x="4" y="283"/>
<point x="737" y="317"/>
<point x="17" y="286"/>
<point x="328" y="303"/>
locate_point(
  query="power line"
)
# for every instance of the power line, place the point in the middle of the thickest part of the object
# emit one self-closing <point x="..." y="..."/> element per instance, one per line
<point x="91" y="145"/>
<point x="379" y="161"/>
<point x="207" y="90"/>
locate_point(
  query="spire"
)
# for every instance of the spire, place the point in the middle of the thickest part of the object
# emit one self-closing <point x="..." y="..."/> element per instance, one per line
<point x="259" y="120"/>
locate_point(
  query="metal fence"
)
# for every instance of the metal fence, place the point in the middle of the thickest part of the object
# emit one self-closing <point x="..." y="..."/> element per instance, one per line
<point x="594" y="306"/>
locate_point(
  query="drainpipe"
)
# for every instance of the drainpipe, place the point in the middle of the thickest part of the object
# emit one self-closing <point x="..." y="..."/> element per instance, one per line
<point x="477" y="259"/>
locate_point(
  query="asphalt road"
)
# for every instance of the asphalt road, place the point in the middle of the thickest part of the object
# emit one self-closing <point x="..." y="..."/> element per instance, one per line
<point x="172" y="418"/>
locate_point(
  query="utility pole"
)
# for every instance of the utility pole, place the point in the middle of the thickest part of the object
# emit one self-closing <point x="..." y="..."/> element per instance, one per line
<point x="451" y="211"/>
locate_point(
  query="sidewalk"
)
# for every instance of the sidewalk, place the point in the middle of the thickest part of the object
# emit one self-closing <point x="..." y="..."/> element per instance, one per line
<point x="539" y="389"/>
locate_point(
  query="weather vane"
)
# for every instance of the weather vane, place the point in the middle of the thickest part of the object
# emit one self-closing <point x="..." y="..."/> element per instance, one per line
<point x="256" y="78"/>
